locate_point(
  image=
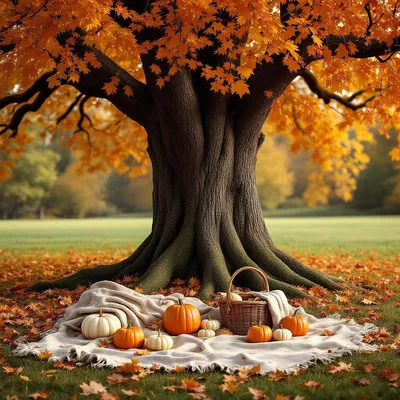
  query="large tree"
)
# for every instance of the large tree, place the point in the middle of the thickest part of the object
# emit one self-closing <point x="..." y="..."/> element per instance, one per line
<point x="197" y="80"/>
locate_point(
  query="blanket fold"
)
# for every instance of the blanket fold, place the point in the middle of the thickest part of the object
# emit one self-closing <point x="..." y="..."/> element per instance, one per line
<point x="224" y="352"/>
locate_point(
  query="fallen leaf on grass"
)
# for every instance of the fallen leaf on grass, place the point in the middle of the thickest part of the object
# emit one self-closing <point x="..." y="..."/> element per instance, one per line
<point x="109" y="396"/>
<point x="313" y="384"/>
<point x="25" y="378"/>
<point x="369" y="368"/>
<point x="278" y="376"/>
<point x="69" y="366"/>
<point x="390" y="375"/>
<point x="380" y="335"/>
<point x="12" y="371"/>
<point x="258" y="394"/>
<point x="116" y="379"/>
<point x="92" y="388"/>
<point x="229" y="387"/>
<point x="340" y="368"/>
<point x="39" y="395"/>
<point x="132" y="367"/>
<point x="131" y="393"/>
<point x="368" y="302"/>
<point x="178" y="369"/>
<point x="49" y="372"/>
<point x="361" y="382"/>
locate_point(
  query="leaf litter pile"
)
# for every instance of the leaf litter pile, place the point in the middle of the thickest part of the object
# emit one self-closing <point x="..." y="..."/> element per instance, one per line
<point x="23" y="315"/>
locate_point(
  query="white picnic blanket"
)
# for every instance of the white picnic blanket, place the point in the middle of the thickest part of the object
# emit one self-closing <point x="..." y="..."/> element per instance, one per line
<point x="225" y="352"/>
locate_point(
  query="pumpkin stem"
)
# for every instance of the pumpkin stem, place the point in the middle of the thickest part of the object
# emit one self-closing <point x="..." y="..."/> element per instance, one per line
<point x="180" y="302"/>
<point x="101" y="312"/>
<point x="129" y="323"/>
<point x="209" y="317"/>
<point x="295" y="312"/>
<point x="159" y="333"/>
<point x="280" y="326"/>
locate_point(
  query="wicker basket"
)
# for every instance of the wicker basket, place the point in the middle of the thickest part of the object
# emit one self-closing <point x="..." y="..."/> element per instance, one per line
<point x="238" y="316"/>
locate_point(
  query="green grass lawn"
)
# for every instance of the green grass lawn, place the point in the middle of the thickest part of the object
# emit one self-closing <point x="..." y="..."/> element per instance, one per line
<point x="315" y="235"/>
<point x="319" y="235"/>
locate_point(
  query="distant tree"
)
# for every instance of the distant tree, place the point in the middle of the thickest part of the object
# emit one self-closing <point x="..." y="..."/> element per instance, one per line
<point x="392" y="201"/>
<point x="65" y="155"/>
<point x="34" y="175"/>
<point x="377" y="181"/>
<point x="77" y="195"/>
<point x="273" y="177"/>
<point x="130" y="194"/>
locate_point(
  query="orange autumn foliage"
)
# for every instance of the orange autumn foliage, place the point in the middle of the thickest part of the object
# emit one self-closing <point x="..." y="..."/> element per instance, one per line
<point x="350" y="47"/>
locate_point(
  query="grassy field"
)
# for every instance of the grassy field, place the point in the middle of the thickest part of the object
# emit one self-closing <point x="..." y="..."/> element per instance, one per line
<point x="339" y="243"/>
<point x="315" y="235"/>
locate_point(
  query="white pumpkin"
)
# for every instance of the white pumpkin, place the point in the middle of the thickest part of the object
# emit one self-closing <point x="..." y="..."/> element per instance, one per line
<point x="206" y="333"/>
<point x="209" y="323"/>
<point x="233" y="297"/>
<point x="101" y="325"/>
<point x="159" y="342"/>
<point x="281" y="334"/>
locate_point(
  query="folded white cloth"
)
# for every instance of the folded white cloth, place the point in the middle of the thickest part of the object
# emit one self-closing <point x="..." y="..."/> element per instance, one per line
<point x="198" y="354"/>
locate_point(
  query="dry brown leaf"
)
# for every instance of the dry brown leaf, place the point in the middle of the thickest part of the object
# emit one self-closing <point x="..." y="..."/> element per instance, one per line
<point x="327" y="332"/>
<point x="109" y="396"/>
<point x="369" y="368"/>
<point x="116" y="379"/>
<point x="92" y="387"/>
<point x="313" y="384"/>
<point x="39" y="395"/>
<point x="229" y="387"/>
<point x="258" y="394"/>
<point x="131" y="393"/>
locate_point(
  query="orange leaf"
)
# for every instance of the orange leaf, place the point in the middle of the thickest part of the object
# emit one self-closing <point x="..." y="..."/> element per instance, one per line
<point x="241" y="88"/>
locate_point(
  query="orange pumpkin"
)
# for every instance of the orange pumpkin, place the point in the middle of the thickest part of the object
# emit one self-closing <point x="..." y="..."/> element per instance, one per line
<point x="259" y="333"/>
<point x="297" y="324"/>
<point x="128" y="338"/>
<point x="181" y="318"/>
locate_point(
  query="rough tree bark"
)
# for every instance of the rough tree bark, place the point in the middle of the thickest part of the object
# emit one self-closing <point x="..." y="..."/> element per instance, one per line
<point x="207" y="220"/>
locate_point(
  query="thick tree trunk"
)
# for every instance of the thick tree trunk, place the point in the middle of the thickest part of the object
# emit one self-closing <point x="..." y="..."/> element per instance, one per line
<point x="207" y="219"/>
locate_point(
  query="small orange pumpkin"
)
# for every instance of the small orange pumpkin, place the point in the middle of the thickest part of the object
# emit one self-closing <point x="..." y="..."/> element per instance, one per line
<point x="297" y="324"/>
<point x="259" y="333"/>
<point x="128" y="338"/>
<point x="181" y="318"/>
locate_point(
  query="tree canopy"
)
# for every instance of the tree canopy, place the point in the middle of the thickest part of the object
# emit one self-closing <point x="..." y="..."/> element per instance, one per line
<point x="93" y="67"/>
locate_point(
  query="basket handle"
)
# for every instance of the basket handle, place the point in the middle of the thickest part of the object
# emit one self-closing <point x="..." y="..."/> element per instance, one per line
<point x="247" y="268"/>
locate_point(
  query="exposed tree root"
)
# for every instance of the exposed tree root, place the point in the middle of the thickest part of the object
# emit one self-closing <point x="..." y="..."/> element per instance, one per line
<point x="212" y="260"/>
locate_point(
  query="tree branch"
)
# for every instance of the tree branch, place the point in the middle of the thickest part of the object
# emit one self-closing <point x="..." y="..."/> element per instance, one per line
<point x="24" y="109"/>
<point x="327" y="96"/>
<point x="39" y="85"/>
<point x="83" y="116"/>
<point x="365" y="48"/>
<point x="138" y="107"/>
<point x="69" y="109"/>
